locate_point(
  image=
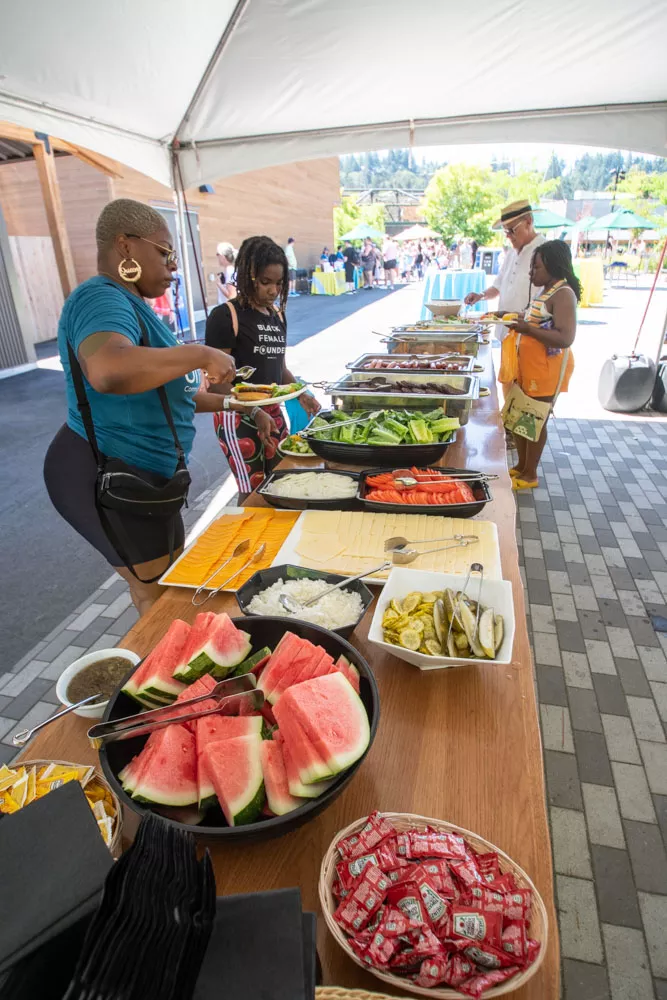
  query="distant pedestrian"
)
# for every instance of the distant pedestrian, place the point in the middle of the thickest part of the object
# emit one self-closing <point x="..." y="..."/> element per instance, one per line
<point x="368" y="262"/>
<point x="291" y="266"/>
<point x="390" y="258"/>
<point x="224" y="279"/>
<point x="351" y="258"/>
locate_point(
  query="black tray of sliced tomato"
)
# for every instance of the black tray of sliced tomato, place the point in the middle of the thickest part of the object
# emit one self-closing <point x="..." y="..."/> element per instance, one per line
<point x="424" y="490"/>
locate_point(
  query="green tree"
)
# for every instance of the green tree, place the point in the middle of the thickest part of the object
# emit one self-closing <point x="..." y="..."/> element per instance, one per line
<point x="530" y="184"/>
<point x="348" y="214"/>
<point x="640" y="191"/>
<point x="459" y="201"/>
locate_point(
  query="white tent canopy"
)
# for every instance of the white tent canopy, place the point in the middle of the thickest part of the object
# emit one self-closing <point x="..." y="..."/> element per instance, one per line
<point x="259" y="82"/>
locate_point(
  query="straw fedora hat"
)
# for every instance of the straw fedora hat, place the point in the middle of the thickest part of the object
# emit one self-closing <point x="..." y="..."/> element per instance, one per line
<point x="512" y="212"/>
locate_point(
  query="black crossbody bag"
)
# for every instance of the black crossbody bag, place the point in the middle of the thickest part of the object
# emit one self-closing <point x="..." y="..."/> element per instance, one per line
<point x="125" y="488"/>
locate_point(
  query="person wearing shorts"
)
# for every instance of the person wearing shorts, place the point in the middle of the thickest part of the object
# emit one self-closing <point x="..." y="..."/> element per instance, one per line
<point x="291" y="266"/>
<point x="390" y="258"/>
<point x="254" y="332"/>
<point x="122" y="367"/>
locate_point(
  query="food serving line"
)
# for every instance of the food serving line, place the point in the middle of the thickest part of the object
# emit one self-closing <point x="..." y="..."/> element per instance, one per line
<point x="461" y="745"/>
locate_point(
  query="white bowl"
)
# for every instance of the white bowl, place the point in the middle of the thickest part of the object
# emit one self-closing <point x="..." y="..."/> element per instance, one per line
<point x="91" y="711"/>
<point x="495" y="593"/>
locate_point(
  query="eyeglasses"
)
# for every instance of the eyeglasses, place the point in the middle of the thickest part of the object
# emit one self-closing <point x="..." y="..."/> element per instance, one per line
<point x="170" y="256"/>
<point x="510" y="230"/>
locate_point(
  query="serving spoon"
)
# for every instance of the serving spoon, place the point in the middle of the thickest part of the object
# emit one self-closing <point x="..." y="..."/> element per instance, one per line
<point x="21" y="738"/>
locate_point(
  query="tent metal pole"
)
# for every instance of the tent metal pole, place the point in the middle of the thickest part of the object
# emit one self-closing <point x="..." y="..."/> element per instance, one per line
<point x="185" y="259"/>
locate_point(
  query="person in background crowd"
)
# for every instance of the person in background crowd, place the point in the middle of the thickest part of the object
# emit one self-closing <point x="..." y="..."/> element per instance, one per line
<point x="538" y="341"/>
<point x="324" y="256"/>
<point x="224" y="280"/>
<point x="291" y="265"/>
<point x="125" y="354"/>
<point x="351" y="258"/>
<point x="390" y="258"/>
<point x="254" y="332"/>
<point x="474" y="246"/>
<point x="368" y="262"/>
<point x="163" y="307"/>
<point x="466" y="255"/>
<point x="419" y="262"/>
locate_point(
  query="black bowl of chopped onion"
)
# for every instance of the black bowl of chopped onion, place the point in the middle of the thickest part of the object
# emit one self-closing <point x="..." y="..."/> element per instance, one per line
<point x="327" y="613"/>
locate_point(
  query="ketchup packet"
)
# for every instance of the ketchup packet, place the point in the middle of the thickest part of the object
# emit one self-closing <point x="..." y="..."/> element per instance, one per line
<point x="365" y="899"/>
<point x="486" y="899"/>
<point x="477" y="985"/>
<point x="487" y="957"/>
<point x="359" y="945"/>
<point x="407" y="898"/>
<point x="450" y="969"/>
<point x="467" y="924"/>
<point x="467" y="872"/>
<point x="376" y="829"/>
<point x="506" y="883"/>
<point x="425" y="942"/>
<point x="381" y="949"/>
<point x="438" y="873"/>
<point x="432" y="844"/>
<point x="515" y="942"/>
<point x="394" y="923"/>
<point x="518" y="904"/>
<point x="488" y="866"/>
<point x="532" y="951"/>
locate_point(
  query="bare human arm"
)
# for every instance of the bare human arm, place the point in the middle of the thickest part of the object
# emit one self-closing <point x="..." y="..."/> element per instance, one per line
<point x="307" y="400"/>
<point x="113" y="364"/>
<point x="563" y="308"/>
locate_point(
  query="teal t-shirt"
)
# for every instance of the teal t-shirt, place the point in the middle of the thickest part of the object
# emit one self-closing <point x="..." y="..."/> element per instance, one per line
<point x="131" y="427"/>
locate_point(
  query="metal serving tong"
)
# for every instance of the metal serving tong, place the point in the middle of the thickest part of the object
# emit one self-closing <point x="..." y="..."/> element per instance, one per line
<point x="231" y="695"/>
<point x="245" y="372"/>
<point x="464" y="477"/>
<point x="474" y="568"/>
<point x="341" y="423"/>
<point x="255" y="557"/>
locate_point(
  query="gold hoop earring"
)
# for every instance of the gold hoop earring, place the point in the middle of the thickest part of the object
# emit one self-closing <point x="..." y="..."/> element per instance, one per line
<point x="129" y="269"/>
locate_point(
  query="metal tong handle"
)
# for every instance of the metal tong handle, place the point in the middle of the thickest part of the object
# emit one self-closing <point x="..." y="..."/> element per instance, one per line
<point x="253" y="558"/>
<point x="346" y="581"/>
<point x="213" y="575"/>
<point x="245" y="372"/>
<point x="461" y="543"/>
<point x="456" y="611"/>
<point x="21" y="738"/>
<point x="340" y="423"/>
<point x="425" y="541"/>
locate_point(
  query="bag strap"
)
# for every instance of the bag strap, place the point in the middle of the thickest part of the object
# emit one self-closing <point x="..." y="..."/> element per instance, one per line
<point x="235" y="317"/>
<point x="563" y="365"/>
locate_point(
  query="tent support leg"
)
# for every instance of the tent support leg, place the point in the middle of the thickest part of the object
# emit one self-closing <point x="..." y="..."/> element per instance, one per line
<point x="185" y="260"/>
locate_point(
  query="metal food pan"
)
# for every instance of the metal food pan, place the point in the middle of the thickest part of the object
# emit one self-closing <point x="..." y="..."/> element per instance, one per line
<point x="480" y="489"/>
<point x="346" y="397"/>
<point x="432" y="342"/>
<point x="466" y="361"/>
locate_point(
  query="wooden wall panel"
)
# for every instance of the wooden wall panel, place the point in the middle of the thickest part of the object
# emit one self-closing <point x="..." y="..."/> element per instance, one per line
<point x="295" y="199"/>
<point x="21" y="199"/>
<point x="37" y="274"/>
<point x="84" y="192"/>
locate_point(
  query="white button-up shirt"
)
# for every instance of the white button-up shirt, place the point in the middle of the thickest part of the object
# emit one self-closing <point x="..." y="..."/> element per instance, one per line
<point x="513" y="281"/>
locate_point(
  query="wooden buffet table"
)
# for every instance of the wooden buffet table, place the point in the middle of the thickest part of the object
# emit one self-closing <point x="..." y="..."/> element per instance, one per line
<point x="460" y="744"/>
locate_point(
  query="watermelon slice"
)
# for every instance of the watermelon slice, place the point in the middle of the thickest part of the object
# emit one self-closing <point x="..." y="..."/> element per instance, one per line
<point x="200" y="687"/>
<point x="215" y="645"/>
<point x="253" y="663"/>
<point x="287" y="650"/>
<point x="296" y="786"/>
<point x="348" y="670"/>
<point x="170" y="774"/>
<point x="235" y="769"/>
<point x="312" y="662"/>
<point x="309" y="763"/>
<point x="278" y="795"/>
<point x="153" y="681"/>
<point x="213" y="729"/>
<point x="332" y="716"/>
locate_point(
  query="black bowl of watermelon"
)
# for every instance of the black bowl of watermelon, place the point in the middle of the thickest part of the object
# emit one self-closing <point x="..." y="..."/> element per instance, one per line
<point x="246" y="777"/>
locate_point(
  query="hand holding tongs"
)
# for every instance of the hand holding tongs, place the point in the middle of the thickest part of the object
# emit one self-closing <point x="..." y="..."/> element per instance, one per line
<point x="230" y="694"/>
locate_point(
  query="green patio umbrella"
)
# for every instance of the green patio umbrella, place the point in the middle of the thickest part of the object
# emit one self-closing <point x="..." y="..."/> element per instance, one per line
<point x="623" y="218"/>
<point x="544" y="218"/>
<point x="585" y="224"/>
<point x="361" y="231"/>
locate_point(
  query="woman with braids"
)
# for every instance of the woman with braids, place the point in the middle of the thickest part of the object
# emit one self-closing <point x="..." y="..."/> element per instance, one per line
<point x="541" y="338"/>
<point x="254" y="332"/>
<point x="132" y="392"/>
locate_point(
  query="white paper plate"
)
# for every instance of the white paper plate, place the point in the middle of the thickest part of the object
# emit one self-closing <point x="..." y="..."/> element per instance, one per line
<point x="272" y="401"/>
<point x="295" y="454"/>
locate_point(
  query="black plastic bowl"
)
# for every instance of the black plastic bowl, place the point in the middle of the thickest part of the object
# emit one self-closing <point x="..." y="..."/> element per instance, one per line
<point x="387" y="455"/>
<point x="480" y="489"/>
<point x="264" y="578"/>
<point x="263" y="632"/>
<point x="294" y="503"/>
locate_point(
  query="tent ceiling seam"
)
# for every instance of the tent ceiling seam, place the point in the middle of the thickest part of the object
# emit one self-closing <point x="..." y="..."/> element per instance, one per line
<point x="417" y="123"/>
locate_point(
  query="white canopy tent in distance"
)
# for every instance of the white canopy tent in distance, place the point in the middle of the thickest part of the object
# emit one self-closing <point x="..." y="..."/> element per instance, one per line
<point x="209" y="88"/>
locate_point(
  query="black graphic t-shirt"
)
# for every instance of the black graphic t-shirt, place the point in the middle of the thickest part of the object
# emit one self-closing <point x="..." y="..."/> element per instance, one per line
<point x="261" y="340"/>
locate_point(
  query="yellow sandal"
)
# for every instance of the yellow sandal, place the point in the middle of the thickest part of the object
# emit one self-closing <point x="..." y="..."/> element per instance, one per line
<point x="514" y="473"/>
<point x="524" y="484"/>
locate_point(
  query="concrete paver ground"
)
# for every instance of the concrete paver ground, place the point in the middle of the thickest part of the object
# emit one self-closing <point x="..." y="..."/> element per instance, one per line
<point x="593" y="547"/>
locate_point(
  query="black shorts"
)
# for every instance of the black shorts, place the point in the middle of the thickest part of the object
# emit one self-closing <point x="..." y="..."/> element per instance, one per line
<point x="70" y="472"/>
<point x="390" y="265"/>
<point x="291" y="274"/>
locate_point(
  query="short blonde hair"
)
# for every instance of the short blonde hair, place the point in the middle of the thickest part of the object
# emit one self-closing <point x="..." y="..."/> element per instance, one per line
<point x="126" y="216"/>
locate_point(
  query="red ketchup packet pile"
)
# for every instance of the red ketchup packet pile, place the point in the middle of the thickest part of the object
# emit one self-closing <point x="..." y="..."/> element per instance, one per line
<point x="424" y="905"/>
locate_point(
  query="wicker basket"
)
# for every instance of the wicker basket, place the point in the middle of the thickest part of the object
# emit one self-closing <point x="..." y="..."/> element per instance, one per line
<point x="406" y="821"/>
<point x="115" y="845"/>
<point x="340" y="993"/>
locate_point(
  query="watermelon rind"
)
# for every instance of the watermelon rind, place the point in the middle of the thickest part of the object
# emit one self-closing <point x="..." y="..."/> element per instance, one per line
<point x="222" y="648"/>
<point x="252" y="810"/>
<point x="160" y="782"/>
<point x="278" y="797"/>
<point x="248" y="803"/>
<point x="252" y="662"/>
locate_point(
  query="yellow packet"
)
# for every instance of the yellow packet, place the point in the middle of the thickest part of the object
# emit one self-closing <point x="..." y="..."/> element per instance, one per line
<point x="7" y="777"/>
<point x="106" y="829"/>
<point x="19" y="790"/>
<point x="55" y="782"/>
<point x="7" y="804"/>
<point x="31" y="793"/>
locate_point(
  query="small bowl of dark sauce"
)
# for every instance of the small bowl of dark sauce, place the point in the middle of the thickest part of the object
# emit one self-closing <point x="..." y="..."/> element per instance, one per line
<point x="95" y="673"/>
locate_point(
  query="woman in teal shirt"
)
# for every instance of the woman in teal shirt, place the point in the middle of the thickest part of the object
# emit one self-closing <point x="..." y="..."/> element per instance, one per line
<point x="102" y="324"/>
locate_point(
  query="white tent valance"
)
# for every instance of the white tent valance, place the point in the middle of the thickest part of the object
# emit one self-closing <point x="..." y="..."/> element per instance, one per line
<point x="259" y="82"/>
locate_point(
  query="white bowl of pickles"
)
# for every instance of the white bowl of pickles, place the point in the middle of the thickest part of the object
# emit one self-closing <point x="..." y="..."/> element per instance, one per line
<point x="426" y="619"/>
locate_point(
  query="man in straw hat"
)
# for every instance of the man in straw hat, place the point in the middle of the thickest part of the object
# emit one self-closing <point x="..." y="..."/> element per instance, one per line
<point x="512" y="285"/>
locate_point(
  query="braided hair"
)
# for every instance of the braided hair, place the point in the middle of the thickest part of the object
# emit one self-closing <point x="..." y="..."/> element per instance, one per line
<point x="557" y="259"/>
<point x="255" y="254"/>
